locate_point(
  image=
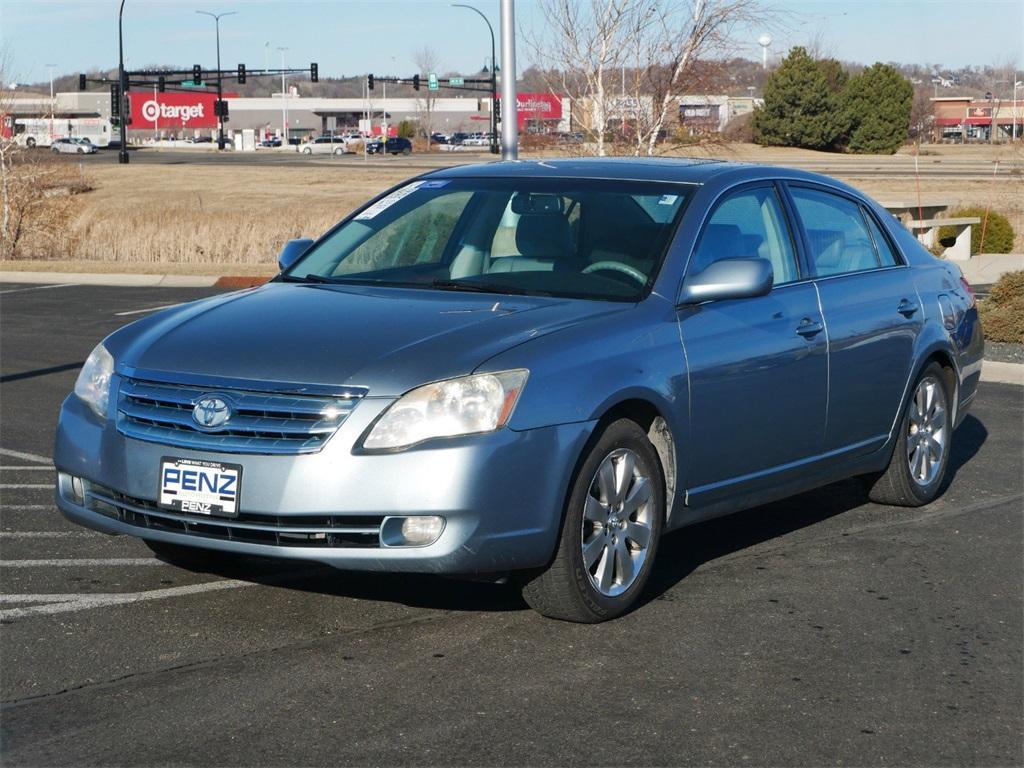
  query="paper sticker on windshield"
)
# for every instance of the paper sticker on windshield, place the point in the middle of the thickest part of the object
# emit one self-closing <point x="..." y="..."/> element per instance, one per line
<point x="386" y="202"/>
<point x="436" y="184"/>
<point x="668" y="199"/>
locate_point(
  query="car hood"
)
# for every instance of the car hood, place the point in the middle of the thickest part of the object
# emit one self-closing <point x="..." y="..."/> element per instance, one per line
<point x="386" y="339"/>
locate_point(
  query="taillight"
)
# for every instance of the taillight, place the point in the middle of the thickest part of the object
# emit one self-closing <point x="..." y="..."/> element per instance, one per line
<point x="970" y="291"/>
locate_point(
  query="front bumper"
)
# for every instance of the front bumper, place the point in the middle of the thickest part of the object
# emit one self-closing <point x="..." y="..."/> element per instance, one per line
<point x="501" y="494"/>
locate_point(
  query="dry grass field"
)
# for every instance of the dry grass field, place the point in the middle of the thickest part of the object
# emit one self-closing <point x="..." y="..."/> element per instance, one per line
<point x="223" y="219"/>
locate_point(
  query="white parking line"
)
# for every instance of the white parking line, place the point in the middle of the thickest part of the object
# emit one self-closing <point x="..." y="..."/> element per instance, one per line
<point x="55" y="604"/>
<point x="26" y="456"/>
<point x="14" y="486"/>
<point x="25" y="507"/>
<point x="148" y="309"/>
<point x="45" y="534"/>
<point x="35" y="288"/>
<point x="23" y="468"/>
<point x="88" y="562"/>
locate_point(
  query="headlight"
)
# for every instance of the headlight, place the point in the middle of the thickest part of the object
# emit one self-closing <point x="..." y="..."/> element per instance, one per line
<point x="93" y="385"/>
<point x="463" y="406"/>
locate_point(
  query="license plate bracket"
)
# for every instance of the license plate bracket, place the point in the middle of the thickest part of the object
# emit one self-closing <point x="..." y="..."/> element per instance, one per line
<point x="198" y="487"/>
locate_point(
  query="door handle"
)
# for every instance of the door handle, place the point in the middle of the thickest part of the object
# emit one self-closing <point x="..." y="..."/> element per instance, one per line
<point x="809" y="328"/>
<point x="907" y="308"/>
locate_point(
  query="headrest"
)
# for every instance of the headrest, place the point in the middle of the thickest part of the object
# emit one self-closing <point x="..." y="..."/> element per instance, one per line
<point x="544" y="236"/>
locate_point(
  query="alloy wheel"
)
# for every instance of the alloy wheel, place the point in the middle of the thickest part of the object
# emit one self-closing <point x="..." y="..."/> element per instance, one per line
<point x="617" y="523"/>
<point x="927" y="431"/>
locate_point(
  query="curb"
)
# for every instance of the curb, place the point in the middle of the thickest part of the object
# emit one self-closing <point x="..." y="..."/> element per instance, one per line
<point x="1002" y="373"/>
<point x="129" y="280"/>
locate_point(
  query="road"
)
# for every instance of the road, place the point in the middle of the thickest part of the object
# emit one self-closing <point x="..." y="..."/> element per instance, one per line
<point x="819" y="630"/>
<point x="844" y="166"/>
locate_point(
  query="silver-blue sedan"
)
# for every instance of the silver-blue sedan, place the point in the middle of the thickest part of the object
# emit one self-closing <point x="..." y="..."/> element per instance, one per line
<point x="536" y="369"/>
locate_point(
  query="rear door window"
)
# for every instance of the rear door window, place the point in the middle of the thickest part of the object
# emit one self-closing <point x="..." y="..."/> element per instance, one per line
<point x="837" y="235"/>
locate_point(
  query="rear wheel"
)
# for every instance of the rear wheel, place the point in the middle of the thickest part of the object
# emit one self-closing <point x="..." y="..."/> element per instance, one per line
<point x="406" y="151"/>
<point x="30" y="142"/>
<point x="921" y="456"/>
<point x="610" y="533"/>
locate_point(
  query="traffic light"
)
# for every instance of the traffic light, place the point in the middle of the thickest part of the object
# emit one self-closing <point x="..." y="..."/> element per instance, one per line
<point x="497" y="110"/>
<point x="415" y="82"/>
<point x="115" y="100"/>
<point x="197" y="73"/>
<point x="81" y="82"/>
<point x="241" y="74"/>
<point x="369" y="82"/>
<point x="161" y="84"/>
<point x="220" y="109"/>
<point x="314" y="73"/>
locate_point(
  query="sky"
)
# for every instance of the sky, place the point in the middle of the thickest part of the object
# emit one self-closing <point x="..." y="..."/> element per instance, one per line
<point x="350" y="37"/>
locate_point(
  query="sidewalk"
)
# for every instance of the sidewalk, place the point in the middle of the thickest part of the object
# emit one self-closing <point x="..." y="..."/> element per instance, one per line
<point x="986" y="268"/>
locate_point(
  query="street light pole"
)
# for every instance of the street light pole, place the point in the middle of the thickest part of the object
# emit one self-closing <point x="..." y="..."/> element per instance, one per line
<point x="494" y="77"/>
<point x="122" y="81"/>
<point x="51" y="68"/>
<point x="1016" y="84"/>
<point x="510" y="120"/>
<point x="284" y="102"/>
<point x="220" y="80"/>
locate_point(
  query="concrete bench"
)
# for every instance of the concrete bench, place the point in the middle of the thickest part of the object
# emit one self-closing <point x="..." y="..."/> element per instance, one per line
<point x="927" y="232"/>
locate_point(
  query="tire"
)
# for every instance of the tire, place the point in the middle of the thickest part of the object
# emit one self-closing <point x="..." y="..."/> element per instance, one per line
<point x="606" y="581"/>
<point x="406" y="151"/>
<point x="307" y="151"/>
<point x="339" y="152"/>
<point x="30" y="142"/>
<point x="920" y="457"/>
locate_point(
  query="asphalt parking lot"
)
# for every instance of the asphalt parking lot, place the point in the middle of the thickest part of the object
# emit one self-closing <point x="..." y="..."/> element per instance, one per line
<point x="819" y="630"/>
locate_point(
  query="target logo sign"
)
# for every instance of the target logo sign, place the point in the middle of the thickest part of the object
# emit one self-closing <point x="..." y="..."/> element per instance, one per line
<point x="182" y="110"/>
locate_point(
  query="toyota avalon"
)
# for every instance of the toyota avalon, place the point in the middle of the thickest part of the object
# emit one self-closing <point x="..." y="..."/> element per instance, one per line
<point x="533" y="369"/>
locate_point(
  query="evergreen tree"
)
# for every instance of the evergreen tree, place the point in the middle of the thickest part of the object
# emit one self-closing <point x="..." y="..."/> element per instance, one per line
<point x="802" y="104"/>
<point x="877" y="105"/>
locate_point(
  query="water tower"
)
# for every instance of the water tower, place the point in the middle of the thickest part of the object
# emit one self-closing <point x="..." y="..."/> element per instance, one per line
<point x="764" y="41"/>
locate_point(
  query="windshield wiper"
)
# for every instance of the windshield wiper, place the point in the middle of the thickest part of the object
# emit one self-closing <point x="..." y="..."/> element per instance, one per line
<point x="459" y="285"/>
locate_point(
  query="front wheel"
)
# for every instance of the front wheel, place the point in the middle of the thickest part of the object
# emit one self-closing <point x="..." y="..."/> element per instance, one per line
<point x="610" y="532"/>
<point x="921" y="455"/>
<point x="406" y="151"/>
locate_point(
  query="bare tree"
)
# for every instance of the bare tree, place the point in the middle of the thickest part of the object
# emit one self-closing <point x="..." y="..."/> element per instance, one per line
<point x="35" y="212"/>
<point x="663" y="44"/>
<point x="579" y="43"/>
<point x="426" y="61"/>
<point x="674" y="45"/>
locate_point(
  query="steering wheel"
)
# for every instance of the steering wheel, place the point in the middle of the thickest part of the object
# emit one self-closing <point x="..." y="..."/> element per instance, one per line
<point x="617" y="266"/>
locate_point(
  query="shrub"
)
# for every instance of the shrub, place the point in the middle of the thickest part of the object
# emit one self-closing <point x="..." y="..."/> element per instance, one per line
<point x="877" y="103"/>
<point x="998" y="232"/>
<point x="1002" y="313"/>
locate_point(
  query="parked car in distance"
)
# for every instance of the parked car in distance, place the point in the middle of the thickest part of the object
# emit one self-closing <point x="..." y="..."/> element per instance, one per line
<point x="200" y="140"/>
<point x="477" y="140"/>
<point x="395" y="145"/>
<point x="533" y="369"/>
<point x="73" y="146"/>
<point x="271" y="141"/>
<point x="325" y="145"/>
<point x="457" y="138"/>
<point x="439" y="138"/>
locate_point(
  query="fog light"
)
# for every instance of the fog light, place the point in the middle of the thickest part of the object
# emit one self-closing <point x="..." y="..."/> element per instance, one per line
<point x="71" y="488"/>
<point x="414" y="531"/>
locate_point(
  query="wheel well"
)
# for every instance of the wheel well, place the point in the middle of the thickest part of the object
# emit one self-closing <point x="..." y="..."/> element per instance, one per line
<point x="949" y="374"/>
<point x="653" y="423"/>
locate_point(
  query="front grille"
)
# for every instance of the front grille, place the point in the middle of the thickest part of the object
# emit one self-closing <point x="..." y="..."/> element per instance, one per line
<point x="260" y="422"/>
<point x="322" y="531"/>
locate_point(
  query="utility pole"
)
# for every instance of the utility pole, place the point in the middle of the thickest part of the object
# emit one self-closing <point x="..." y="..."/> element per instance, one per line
<point x="494" y="78"/>
<point x="510" y="116"/>
<point x="220" y="80"/>
<point x="51" y="68"/>
<point x="284" y="103"/>
<point x="122" y="81"/>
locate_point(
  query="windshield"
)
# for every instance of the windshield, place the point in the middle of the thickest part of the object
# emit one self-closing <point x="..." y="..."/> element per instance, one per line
<point x="585" y="238"/>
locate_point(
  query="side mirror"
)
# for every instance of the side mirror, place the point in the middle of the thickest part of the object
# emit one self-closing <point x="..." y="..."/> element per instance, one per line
<point x="291" y="252"/>
<point x="728" y="279"/>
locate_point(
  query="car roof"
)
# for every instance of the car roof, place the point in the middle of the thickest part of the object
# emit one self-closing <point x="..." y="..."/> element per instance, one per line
<point x="667" y="169"/>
